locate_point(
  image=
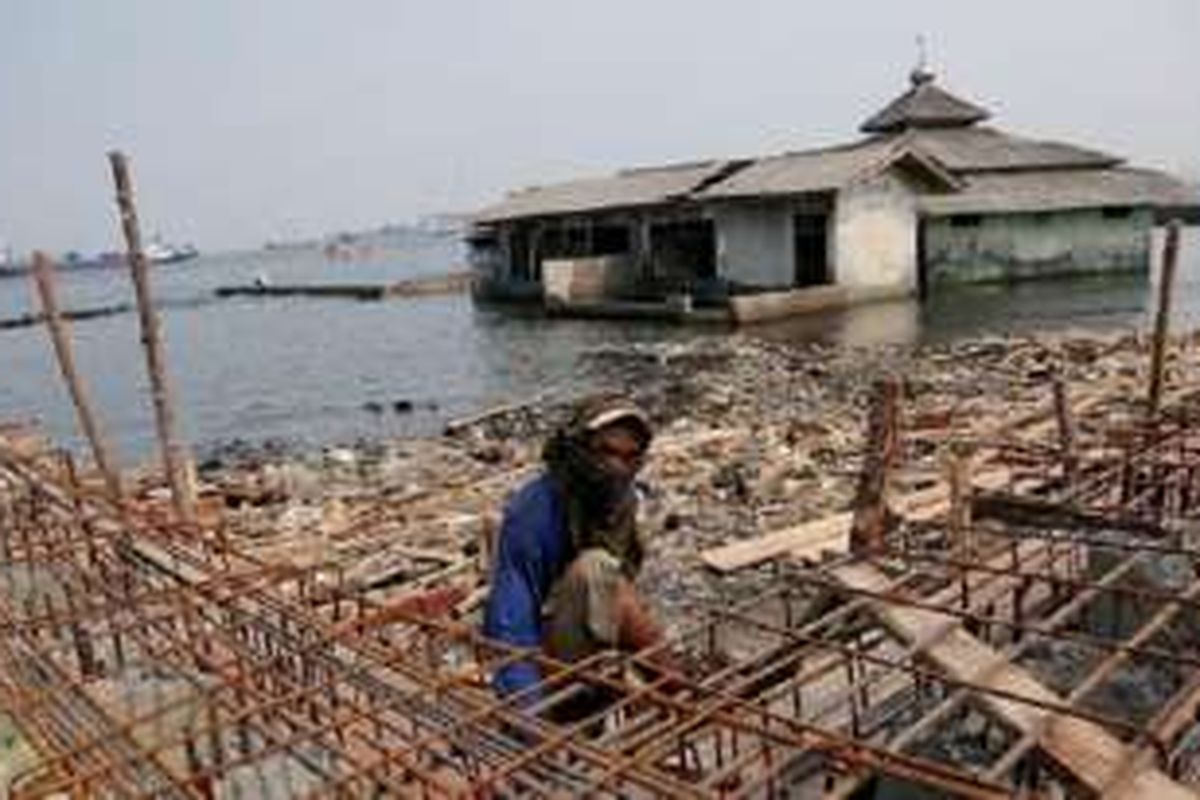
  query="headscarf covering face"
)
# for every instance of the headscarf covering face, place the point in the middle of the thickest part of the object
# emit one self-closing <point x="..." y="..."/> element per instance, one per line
<point x="600" y="503"/>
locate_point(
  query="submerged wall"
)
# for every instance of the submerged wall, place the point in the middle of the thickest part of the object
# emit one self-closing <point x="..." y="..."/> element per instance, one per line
<point x="566" y="280"/>
<point x="1008" y="247"/>
<point x="875" y="235"/>
<point x="755" y="245"/>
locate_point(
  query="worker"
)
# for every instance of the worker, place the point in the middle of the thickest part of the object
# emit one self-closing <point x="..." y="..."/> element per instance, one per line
<point x="569" y="550"/>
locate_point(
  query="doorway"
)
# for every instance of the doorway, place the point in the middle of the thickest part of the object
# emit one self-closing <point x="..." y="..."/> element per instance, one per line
<point x="810" y="239"/>
<point x="922" y="260"/>
<point x="685" y="250"/>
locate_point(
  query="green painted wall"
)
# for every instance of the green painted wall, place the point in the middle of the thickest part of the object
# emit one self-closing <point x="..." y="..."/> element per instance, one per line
<point x="1009" y="247"/>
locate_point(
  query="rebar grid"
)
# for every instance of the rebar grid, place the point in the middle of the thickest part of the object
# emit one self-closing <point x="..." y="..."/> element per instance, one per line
<point x="182" y="670"/>
<point x="147" y="660"/>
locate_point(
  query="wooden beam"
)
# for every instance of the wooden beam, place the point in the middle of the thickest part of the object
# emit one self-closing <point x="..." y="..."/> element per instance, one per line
<point x="1034" y="512"/>
<point x="810" y="539"/>
<point x="918" y="730"/>
<point x="832" y="533"/>
<point x="1097" y="676"/>
<point x="1094" y="757"/>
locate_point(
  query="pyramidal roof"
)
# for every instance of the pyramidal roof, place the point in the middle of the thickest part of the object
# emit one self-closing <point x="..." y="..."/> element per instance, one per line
<point x="925" y="105"/>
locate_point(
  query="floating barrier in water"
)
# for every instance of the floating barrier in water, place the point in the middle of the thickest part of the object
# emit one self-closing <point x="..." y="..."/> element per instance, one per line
<point x="452" y="283"/>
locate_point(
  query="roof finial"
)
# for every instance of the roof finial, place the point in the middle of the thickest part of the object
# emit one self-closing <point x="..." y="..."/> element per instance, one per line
<point x="921" y="73"/>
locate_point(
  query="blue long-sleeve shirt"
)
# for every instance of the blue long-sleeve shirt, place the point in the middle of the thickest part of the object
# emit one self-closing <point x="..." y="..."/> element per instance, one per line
<point x="532" y="552"/>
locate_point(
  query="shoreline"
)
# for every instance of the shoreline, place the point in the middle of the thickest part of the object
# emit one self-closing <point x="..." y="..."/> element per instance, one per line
<point x="752" y="438"/>
<point x="758" y="445"/>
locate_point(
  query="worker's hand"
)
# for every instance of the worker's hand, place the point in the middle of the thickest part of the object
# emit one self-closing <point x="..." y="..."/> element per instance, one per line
<point x="636" y="627"/>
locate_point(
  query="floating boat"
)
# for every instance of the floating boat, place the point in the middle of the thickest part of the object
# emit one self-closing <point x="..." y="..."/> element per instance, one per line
<point x="158" y="252"/>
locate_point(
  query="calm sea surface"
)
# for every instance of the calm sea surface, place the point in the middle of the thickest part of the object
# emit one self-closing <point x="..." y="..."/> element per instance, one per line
<point x="311" y="370"/>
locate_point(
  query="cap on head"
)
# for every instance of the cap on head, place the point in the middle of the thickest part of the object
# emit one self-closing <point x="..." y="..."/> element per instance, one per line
<point x="602" y="412"/>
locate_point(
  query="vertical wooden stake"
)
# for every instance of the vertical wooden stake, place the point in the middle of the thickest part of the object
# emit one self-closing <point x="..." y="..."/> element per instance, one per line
<point x="1066" y="432"/>
<point x="488" y="531"/>
<point x="883" y="446"/>
<point x="960" y="514"/>
<point x="173" y="452"/>
<point x="1162" y="318"/>
<point x="43" y="275"/>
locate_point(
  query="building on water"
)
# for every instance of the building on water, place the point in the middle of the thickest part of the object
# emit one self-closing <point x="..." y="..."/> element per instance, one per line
<point x="929" y="196"/>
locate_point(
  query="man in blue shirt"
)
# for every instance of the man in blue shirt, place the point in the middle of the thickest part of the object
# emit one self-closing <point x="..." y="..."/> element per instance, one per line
<point x="569" y="549"/>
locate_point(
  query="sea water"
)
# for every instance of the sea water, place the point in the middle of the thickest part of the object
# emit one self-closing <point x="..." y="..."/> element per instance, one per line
<point x="312" y="371"/>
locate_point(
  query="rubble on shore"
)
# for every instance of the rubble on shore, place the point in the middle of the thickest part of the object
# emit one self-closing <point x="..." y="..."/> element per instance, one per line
<point x="762" y="449"/>
<point x="752" y="437"/>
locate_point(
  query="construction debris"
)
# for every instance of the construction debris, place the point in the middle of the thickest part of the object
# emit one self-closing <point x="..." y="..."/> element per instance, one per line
<point x="1023" y="621"/>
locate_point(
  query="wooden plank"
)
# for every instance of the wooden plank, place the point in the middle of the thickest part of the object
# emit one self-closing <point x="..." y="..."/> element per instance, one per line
<point x="805" y="540"/>
<point x="809" y="539"/>
<point x="985" y="588"/>
<point x="1099" y="674"/>
<point x="1095" y="757"/>
<point x="847" y="785"/>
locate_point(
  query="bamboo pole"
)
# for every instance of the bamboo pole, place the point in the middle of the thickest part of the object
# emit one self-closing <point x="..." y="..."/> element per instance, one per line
<point x="174" y="455"/>
<point x="1162" y="318"/>
<point x="43" y="276"/>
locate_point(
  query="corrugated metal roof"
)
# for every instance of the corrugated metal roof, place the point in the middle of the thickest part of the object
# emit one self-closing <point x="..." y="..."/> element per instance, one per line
<point x="984" y="148"/>
<point x="1060" y="190"/>
<point x="805" y="171"/>
<point x="628" y="188"/>
<point x="925" y="105"/>
<point x="828" y="169"/>
<point x="1044" y="174"/>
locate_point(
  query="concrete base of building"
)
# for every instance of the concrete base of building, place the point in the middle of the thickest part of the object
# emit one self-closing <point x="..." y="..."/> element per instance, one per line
<point x="639" y="309"/>
<point x="740" y="310"/>
<point x="768" y="306"/>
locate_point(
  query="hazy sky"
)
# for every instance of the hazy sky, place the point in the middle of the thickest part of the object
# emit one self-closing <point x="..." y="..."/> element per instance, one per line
<point x="253" y="119"/>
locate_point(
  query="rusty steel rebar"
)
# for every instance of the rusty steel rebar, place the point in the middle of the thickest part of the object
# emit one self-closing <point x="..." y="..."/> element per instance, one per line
<point x="258" y="681"/>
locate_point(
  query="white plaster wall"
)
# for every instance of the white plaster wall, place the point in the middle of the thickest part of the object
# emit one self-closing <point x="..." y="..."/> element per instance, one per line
<point x="875" y="235"/>
<point x="591" y="278"/>
<point x="755" y="244"/>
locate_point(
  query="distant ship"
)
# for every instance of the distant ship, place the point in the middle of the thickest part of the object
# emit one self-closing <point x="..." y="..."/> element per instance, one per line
<point x="9" y="265"/>
<point x="158" y="252"/>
